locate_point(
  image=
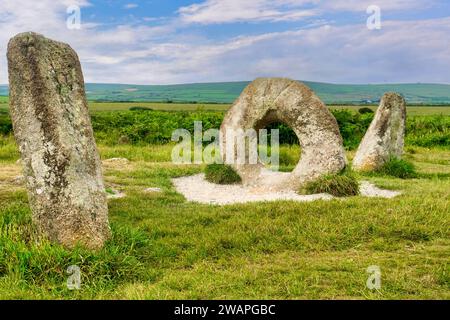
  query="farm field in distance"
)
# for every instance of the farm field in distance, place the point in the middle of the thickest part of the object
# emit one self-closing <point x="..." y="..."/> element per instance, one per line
<point x="164" y="247"/>
<point x="163" y="106"/>
<point x="122" y="106"/>
<point x="227" y="92"/>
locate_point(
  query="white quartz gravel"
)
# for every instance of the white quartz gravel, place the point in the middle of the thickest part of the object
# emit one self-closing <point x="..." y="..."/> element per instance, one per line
<point x="368" y="189"/>
<point x="195" y="188"/>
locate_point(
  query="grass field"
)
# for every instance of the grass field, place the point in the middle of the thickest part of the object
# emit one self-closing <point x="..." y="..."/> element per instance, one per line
<point x="118" y="106"/>
<point x="3" y="102"/>
<point x="164" y="247"/>
<point x="121" y="106"/>
<point x="227" y="92"/>
<point x="164" y="106"/>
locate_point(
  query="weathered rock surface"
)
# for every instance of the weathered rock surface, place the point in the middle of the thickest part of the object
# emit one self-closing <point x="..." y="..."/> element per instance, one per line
<point x="268" y="100"/>
<point x="53" y="130"/>
<point x="385" y="137"/>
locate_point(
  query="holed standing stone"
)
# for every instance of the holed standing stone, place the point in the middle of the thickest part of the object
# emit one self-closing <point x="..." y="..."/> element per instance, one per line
<point x="53" y="130"/>
<point x="269" y="100"/>
<point x="385" y="137"/>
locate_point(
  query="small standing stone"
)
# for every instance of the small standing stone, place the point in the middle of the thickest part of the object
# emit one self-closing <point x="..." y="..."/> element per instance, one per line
<point x="385" y="137"/>
<point x="53" y="130"/>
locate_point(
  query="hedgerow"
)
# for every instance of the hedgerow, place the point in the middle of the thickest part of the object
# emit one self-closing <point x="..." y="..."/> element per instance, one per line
<point x="156" y="127"/>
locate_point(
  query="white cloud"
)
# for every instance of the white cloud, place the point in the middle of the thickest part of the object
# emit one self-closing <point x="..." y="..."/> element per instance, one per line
<point x="95" y="44"/>
<point x="362" y="5"/>
<point x="402" y="51"/>
<point x="131" y="6"/>
<point x="231" y="11"/>
<point x="228" y="11"/>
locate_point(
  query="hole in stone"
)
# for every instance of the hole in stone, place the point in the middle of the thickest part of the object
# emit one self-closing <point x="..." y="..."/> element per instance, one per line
<point x="290" y="151"/>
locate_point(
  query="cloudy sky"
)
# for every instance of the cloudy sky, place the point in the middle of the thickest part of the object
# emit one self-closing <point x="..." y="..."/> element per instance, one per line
<point x="185" y="41"/>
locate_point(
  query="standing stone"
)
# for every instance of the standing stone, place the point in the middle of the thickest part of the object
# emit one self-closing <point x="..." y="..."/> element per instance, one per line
<point x="53" y="130"/>
<point x="269" y="100"/>
<point x="385" y="137"/>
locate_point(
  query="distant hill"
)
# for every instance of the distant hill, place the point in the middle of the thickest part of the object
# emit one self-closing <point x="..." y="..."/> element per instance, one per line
<point x="3" y="90"/>
<point x="227" y="92"/>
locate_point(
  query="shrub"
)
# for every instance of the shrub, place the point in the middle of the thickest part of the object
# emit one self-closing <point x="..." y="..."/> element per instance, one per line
<point x="365" y="110"/>
<point x="398" y="168"/>
<point x="221" y="174"/>
<point x="428" y="131"/>
<point x="339" y="185"/>
<point x="5" y="123"/>
<point x="156" y="127"/>
<point x="352" y="126"/>
<point x="140" y="109"/>
<point x="153" y="127"/>
<point x="285" y="134"/>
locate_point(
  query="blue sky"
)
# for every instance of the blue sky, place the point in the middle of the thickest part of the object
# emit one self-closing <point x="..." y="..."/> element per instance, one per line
<point x="186" y="41"/>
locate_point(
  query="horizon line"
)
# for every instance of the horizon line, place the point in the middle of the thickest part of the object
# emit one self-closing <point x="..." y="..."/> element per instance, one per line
<point x="249" y="81"/>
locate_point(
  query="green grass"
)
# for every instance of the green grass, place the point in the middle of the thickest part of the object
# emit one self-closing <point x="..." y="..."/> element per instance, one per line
<point x="161" y="106"/>
<point x="27" y="259"/>
<point x="164" y="247"/>
<point x="398" y="168"/>
<point x="4" y="104"/>
<point x="8" y="149"/>
<point x="164" y="106"/>
<point x="123" y="106"/>
<point x="289" y="156"/>
<point x="221" y="174"/>
<point x="411" y="110"/>
<point x="342" y="184"/>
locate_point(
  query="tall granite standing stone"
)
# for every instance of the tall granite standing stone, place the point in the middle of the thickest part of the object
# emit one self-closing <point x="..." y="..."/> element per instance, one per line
<point x="53" y="130"/>
<point x="385" y="137"/>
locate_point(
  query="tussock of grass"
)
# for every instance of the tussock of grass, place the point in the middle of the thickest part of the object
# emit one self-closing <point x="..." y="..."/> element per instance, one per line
<point x="398" y="168"/>
<point x="339" y="185"/>
<point x="221" y="174"/>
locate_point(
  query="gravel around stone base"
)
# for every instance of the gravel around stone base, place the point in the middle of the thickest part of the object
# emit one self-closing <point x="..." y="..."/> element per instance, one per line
<point x="196" y="189"/>
<point x="368" y="189"/>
